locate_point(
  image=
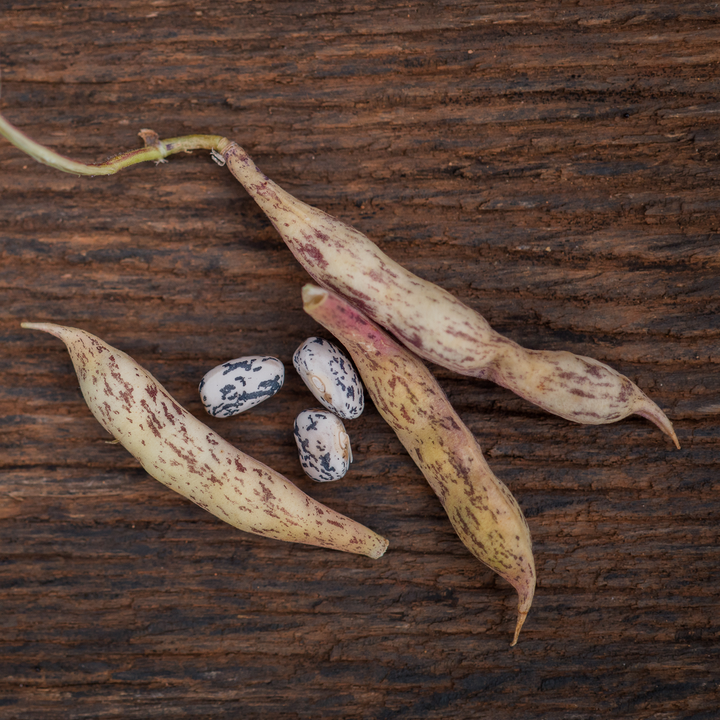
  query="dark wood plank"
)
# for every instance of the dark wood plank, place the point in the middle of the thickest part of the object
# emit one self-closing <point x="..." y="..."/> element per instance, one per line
<point x="554" y="165"/>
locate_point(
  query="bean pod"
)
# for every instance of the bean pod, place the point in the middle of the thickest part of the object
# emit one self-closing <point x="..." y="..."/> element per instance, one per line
<point x="187" y="456"/>
<point x="433" y="323"/>
<point x="423" y="316"/>
<point x="480" y="507"/>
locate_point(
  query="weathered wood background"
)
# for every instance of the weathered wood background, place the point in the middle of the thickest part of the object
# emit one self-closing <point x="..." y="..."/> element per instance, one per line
<point x="554" y="164"/>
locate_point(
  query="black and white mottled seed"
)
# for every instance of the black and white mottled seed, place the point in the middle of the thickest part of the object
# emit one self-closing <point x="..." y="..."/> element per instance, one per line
<point x="240" y="384"/>
<point x="330" y="376"/>
<point x="323" y="445"/>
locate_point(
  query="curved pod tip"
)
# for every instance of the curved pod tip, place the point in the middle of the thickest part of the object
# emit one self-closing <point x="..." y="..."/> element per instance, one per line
<point x="649" y="410"/>
<point x="518" y="626"/>
<point x="47" y="327"/>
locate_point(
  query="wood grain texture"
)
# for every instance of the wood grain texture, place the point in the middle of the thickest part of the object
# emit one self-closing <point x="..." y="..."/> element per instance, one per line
<point x="553" y="164"/>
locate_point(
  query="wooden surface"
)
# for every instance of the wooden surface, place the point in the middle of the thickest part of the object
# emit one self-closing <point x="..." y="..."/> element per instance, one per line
<point x="553" y="164"/>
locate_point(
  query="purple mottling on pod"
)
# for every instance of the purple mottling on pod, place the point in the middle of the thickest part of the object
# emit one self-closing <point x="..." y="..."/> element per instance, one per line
<point x="187" y="456"/>
<point x="423" y="316"/>
<point x="433" y="323"/>
<point x="481" y="509"/>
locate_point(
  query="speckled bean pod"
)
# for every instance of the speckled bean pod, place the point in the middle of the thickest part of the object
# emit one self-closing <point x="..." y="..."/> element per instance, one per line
<point x="187" y="456"/>
<point x="431" y="321"/>
<point x="481" y="509"/>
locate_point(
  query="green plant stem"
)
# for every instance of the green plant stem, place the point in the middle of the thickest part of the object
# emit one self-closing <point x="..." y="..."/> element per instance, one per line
<point x="155" y="149"/>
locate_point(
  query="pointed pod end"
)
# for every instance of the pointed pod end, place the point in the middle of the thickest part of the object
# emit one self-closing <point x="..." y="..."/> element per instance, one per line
<point x="520" y="622"/>
<point x="56" y="330"/>
<point x="648" y="409"/>
<point x="68" y="335"/>
<point x="526" y="593"/>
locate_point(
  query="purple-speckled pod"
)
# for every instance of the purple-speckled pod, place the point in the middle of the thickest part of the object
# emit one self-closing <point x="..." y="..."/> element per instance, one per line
<point x="481" y="508"/>
<point x="240" y="384"/>
<point x="423" y="316"/>
<point x="190" y="458"/>
<point x="330" y="376"/>
<point x="433" y="323"/>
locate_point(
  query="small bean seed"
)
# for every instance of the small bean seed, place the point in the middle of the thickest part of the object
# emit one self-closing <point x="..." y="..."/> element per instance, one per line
<point x="323" y="445"/>
<point x="240" y="384"/>
<point x="330" y="376"/>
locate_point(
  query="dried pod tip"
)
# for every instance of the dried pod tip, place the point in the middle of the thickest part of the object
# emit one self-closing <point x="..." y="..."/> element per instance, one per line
<point x="520" y="621"/>
<point x="51" y="328"/>
<point x="648" y="409"/>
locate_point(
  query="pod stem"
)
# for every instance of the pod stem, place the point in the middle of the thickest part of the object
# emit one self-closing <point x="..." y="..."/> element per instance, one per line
<point x="155" y="150"/>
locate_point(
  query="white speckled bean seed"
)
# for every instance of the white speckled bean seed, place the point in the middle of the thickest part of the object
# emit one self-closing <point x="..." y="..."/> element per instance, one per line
<point x="330" y="377"/>
<point x="238" y="385"/>
<point x="323" y="445"/>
